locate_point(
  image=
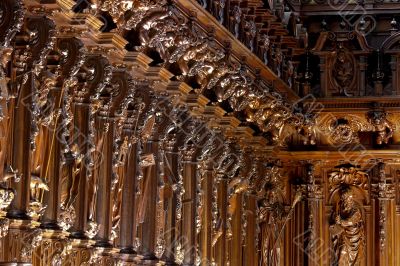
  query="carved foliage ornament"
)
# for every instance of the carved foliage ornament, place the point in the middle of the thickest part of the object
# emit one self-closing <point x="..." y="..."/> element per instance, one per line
<point x="348" y="175"/>
<point x="162" y="28"/>
<point x="11" y="19"/>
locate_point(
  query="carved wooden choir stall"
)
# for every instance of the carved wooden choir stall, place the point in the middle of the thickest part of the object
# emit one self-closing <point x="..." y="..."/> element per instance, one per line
<point x="210" y="132"/>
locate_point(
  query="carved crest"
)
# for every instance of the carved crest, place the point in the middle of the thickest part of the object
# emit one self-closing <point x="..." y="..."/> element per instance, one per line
<point x="348" y="175"/>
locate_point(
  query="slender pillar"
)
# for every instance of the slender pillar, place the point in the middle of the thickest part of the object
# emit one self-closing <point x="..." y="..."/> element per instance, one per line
<point x="189" y="206"/>
<point x="222" y="201"/>
<point x="52" y="172"/>
<point x="236" y="242"/>
<point x="79" y="182"/>
<point x="21" y="151"/>
<point x="104" y="175"/>
<point x="149" y="202"/>
<point x="171" y="174"/>
<point x="78" y="195"/>
<point x="128" y="212"/>
<point x="250" y="251"/>
<point x="383" y="209"/>
<point x="206" y="227"/>
<point x="314" y="248"/>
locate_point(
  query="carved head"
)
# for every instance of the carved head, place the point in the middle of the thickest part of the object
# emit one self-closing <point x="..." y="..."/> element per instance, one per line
<point x="347" y="199"/>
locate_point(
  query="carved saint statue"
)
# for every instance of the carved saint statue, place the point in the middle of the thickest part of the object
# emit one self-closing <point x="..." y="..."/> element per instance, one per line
<point x="348" y="230"/>
<point x="272" y="212"/>
<point x="343" y="72"/>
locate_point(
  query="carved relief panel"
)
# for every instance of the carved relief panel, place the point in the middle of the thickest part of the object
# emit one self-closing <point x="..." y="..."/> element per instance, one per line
<point x="343" y="57"/>
<point x="342" y="72"/>
<point x="348" y="188"/>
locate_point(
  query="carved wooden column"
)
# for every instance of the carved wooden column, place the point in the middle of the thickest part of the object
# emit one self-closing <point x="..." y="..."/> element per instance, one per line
<point x="395" y="70"/>
<point x="363" y="68"/>
<point x="79" y="183"/>
<point x="189" y="205"/>
<point x="207" y="215"/>
<point x="324" y="75"/>
<point x="170" y="190"/>
<point x="236" y="254"/>
<point x="383" y="195"/>
<point x="5" y="54"/>
<point x="314" y="248"/>
<point x="11" y="24"/>
<point x="149" y="200"/>
<point x="23" y="137"/>
<point x="395" y="67"/>
<point x="52" y="246"/>
<point x="52" y="221"/>
<point x="97" y="74"/>
<point x="126" y="240"/>
<point x="222" y="202"/>
<point x="225" y="168"/>
<point x="250" y="250"/>
<point x="112" y="151"/>
<point x="103" y="176"/>
<point x="21" y="153"/>
<point x="28" y="62"/>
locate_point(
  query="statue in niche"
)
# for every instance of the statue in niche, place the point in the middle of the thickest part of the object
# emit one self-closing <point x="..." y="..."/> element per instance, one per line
<point x="343" y="71"/>
<point x="272" y="214"/>
<point x="347" y="230"/>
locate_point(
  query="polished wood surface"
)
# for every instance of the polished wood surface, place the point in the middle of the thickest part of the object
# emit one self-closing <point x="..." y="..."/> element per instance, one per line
<point x="209" y="132"/>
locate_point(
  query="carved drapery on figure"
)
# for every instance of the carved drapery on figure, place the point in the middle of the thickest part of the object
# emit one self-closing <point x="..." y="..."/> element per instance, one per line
<point x="348" y="234"/>
<point x="343" y="71"/>
<point x="348" y="187"/>
<point x="271" y="214"/>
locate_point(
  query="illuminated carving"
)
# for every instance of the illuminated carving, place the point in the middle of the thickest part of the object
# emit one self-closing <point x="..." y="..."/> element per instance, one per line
<point x="382" y="126"/>
<point x="272" y="214"/>
<point x="347" y="231"/>
<point x="348" y="175"/>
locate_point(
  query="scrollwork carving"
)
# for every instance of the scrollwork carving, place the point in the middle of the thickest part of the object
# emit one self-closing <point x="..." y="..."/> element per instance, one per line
<point x="348" y="175"/>
<point x="11" y="20"/>
<point x="163" y="28"/>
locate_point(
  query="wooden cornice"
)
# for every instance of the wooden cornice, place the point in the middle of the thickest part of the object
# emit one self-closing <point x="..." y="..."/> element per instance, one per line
<point x="362" y="156"/>
<point x="239" y="50"/>
<point x="355" y="104"/>
<point x="373" y="8"/>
